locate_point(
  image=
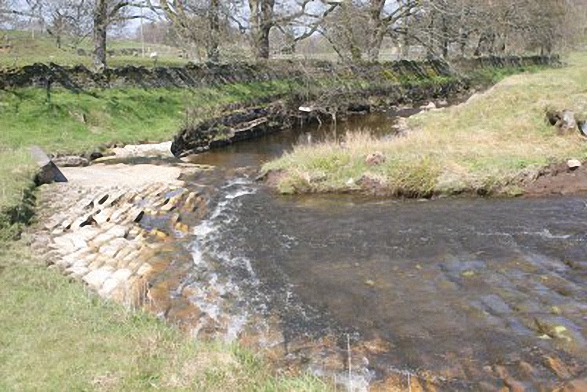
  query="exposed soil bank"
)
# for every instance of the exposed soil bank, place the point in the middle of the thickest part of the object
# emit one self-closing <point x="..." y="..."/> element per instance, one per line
<point x="558" y="180"/>
<point x="257" y="121"/>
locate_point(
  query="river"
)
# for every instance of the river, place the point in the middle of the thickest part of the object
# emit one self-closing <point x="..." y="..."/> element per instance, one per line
<point x="447" y="294"/>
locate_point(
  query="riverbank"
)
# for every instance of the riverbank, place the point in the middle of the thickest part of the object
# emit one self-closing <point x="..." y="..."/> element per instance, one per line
<point x="58" y="334"/>
<point x="84" y="123"/>
<point x="495" y="143"/>
<point x="112" y="230"/>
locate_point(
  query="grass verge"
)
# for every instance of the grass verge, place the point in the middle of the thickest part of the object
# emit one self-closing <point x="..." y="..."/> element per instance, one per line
<point x="482" y="145"/>
<point x="56" y="335"/>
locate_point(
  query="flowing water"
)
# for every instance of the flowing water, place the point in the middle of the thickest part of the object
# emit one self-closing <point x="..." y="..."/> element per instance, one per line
<point x="451" y="294"/>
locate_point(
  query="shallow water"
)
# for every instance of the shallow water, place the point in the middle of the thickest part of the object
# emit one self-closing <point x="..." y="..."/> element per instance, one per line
<point x="459" y="293"/>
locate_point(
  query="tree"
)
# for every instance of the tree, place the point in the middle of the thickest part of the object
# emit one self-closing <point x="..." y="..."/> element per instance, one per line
<point x="347" y="31"/>
<point x="384" y="16"/>
<point x="359" y="27"/>
<point x="5" y="11"/>
<point x="199" y="22"/>
<point x="264" y="15"/>
<point x="71" y="18"/>
<point x="105" y="13"/>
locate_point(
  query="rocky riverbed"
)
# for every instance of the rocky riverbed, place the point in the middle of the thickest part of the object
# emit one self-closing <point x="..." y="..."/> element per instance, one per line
<point x="108" y="224"/>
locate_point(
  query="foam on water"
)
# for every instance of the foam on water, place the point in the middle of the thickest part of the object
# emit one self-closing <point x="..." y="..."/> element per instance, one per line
<point x="217" y="293"/>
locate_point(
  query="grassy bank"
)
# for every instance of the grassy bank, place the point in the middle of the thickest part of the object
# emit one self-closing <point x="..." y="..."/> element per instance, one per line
<point x="56" y="335"/>
<point x="482" y="145"/>
<point x="69" y="122"/>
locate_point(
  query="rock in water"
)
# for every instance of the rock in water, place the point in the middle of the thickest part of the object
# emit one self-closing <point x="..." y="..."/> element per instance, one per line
<point x="573" y="164"/>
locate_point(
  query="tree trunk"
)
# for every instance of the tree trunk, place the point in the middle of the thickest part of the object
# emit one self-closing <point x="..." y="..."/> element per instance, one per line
<point x="213" y="52"/>
<point x="445" y="38"/>
<point x="262" y="43"/>
<point x="100" y="27"/>
<point x="375" y="44"/>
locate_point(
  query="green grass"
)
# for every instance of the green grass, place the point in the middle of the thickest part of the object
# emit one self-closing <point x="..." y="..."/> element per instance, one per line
<point x="16" y="172"/>
<point x="482" y="145"/>
<point x="57" y="336"/>
<point x="76" y="122"/>
<point x="68" y="122"/>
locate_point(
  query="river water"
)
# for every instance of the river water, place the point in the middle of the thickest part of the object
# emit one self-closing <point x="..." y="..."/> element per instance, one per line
<point x="449" y="294"/>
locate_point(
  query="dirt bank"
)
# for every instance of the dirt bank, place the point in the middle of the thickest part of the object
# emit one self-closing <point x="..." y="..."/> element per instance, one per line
<point x="205" y="75"/>
<point x="557" y="180"/>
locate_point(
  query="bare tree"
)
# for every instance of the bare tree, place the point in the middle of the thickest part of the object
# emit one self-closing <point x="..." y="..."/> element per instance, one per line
<point x="106" y="13"/>
<point x="384" y="16"/>
<point x="264" y="15"/>
<point x="200" y="22"/>
<point x="347" y="30"/>
<point x="5" y="11"/>
<point x="67" y="18"/>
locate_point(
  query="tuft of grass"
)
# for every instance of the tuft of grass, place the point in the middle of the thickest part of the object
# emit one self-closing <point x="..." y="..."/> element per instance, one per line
<point x="16" y="173"/>
<point x="482" y="145"/>
<point x="56" y="335"/>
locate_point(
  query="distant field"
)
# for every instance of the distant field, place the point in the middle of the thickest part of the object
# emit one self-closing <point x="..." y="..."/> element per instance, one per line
<point x="42" y="48"/>
<point x="26" y="49"/>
